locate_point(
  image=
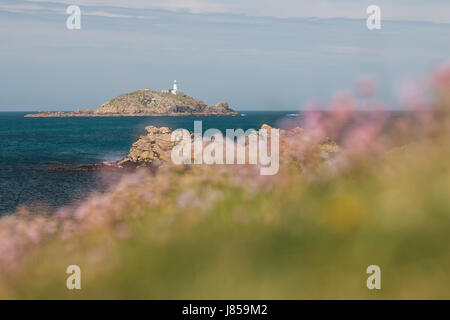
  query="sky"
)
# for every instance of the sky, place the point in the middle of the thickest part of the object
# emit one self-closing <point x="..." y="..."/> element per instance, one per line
<point x="255" y="54"/>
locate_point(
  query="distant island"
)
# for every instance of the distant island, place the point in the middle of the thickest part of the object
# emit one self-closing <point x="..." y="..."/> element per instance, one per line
<point x="148" y="103"/>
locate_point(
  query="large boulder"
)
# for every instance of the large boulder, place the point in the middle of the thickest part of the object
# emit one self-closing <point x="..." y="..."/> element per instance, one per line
<point x="153" y="148"/>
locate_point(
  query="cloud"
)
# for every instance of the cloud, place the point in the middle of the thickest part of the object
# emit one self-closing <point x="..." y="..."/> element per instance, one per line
<point x="19" y="8"/>
<point x="191" y="6"/>
<point x="26" y="8"/>
<point x="400" y="10"/>
<point x="410" y="10"/>
<point x="114" y="15"/>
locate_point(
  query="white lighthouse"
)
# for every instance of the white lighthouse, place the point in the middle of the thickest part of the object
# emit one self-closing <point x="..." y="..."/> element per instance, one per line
<point x="175" y="87"/>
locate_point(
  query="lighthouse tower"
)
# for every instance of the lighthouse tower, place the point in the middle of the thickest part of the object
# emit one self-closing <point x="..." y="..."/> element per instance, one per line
<point x="175" y="87"/>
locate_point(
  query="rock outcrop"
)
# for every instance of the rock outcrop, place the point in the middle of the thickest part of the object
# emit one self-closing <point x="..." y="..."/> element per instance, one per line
<point x="152" y="149"/>
<point x="148" y="103"/>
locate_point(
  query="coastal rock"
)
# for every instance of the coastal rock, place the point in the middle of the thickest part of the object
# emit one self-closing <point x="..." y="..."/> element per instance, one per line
<point x="84" y="111"/>
<point x="103" y="166"/>
<point x="221" y="108"/>
<point x="152" y="149"/>
<point x="265" y="127"/>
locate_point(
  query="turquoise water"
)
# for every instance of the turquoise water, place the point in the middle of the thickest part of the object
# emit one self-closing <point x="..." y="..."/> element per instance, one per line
<point x="27" y="144"/>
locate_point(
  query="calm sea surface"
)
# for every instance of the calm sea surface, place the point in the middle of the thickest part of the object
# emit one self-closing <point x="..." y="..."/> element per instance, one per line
<point x="28" y="144"/>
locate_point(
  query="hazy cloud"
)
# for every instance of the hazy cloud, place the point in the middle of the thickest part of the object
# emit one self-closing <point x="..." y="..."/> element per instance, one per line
<point x="411" y="10"/>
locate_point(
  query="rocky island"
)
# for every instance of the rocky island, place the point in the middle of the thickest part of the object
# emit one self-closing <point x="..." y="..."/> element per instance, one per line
<point x="147" y="103"/>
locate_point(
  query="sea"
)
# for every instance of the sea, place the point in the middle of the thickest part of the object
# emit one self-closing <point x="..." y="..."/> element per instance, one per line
<point x="31" y="147"/>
